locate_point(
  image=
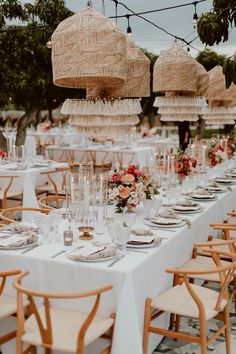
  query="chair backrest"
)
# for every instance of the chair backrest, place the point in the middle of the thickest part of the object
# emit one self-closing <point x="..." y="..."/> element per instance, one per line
<point x="52" y="201"/>
<point x="226" y="275"/>
<point x="57" y="178"/>
<point x="228" y="245"/>
<point x="45" y="324"/>
<point x="8" y="215"/>
<point x="5" y="186"/>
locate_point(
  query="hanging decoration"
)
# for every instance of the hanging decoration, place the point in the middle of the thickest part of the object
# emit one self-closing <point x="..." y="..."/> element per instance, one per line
<point x="88" y="50"/>
<point x="221" y="101"/>
<point x="184" y="82"/>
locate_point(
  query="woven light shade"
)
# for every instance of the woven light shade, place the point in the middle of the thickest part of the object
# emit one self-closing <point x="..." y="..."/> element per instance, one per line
<point x="88" y="50"/>
<point x="218" y="94"/>
<point x="138" y="81"/>
<point x="202" y="80"/>
<point x="174" y="71"/>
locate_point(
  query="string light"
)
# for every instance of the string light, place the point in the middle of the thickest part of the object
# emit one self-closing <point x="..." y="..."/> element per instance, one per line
<point x="129" y="29"/>
<point x="195" y="16"/>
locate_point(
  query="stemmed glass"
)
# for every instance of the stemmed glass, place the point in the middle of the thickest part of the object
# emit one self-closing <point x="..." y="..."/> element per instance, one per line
<point x="56" y="218"/>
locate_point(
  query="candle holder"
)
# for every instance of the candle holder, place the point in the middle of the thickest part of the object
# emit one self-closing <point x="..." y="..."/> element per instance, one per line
<point x="86" y="233"/>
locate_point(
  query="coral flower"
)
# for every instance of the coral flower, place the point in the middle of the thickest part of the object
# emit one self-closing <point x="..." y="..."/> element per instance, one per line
<point x="124" y="192"/>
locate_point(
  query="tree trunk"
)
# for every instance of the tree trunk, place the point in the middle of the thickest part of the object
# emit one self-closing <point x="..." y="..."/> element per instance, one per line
<point x="3" y="142"/>
<point x="22" y="125"/>
<point x="50" y="116"/>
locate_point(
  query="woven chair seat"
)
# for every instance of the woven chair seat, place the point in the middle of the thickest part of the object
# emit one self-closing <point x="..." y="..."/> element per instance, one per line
<point x="65" y="326"/>
<point x="8" y="306"/>
<point x="177" y="300"/>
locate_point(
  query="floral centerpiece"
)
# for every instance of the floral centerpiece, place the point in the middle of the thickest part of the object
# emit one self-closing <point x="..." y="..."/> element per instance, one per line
<point x="185" y="164"/>
<point x="215" y="154"/>
<point x="2" y="154"/>
<point x="128" y="187"/>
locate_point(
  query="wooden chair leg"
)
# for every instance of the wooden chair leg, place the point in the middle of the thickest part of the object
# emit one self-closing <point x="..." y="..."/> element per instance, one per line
<point x="234" y="296"/>
<point x="147" y="320"/>
<point x="106" y="350"/>
<point x="227" y="330"/>
<point x="47" y="351"/>
<point x="203" y="335"/>
<point x="31" y="350"/>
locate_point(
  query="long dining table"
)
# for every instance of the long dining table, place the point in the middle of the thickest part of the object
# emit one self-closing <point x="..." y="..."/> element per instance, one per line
<point x="134" y="278"/>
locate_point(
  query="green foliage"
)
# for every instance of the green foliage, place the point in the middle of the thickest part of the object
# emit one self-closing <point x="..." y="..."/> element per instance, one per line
<point x="209" y="59"/>
<point x="26" y="74"/>
<point x="214" y="27"/>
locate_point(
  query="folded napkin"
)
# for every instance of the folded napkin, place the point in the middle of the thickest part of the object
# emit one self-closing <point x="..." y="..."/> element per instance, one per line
<point x="142" y="231"/>
<point x="186" y="208"/>
<point x="168" y="214"/>
<point x="187" y="203"/>
<point x="144" y="240"/>
<point x="92" y="253"/>
<point x="172" y="216"/>
<point x="166" y="221"/>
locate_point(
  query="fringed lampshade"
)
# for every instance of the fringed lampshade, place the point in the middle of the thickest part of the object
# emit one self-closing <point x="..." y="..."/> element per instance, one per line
<point x="101" y="107"/>
<point x="103" y="117"/>
<point x="180" y="108"/>
<point x="220" y="115"/>
<point x="174" y="71"/>
<point x="88" y="50"/>
<point x="218" y="94"/>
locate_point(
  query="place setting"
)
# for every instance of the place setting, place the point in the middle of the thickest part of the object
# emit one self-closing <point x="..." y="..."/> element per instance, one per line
<point x="186" y="207"/>
<point x="18" y="236"/>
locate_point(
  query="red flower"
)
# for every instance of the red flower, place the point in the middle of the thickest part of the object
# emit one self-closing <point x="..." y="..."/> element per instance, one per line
<point x="2" y="154"/>
<point x="137" y="172"/>
<point x="132" y="169"/>
<point x="116" y="177"/>
<point x="221" y="148"/>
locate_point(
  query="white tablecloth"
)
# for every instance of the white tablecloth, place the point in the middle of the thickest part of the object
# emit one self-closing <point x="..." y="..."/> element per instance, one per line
<point x="134" y="278"/>
<point x="27" y="181"/>
<point x="101" y="155"/>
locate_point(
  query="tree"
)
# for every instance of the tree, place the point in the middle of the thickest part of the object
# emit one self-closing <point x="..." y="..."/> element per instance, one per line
<point x="26" y="63"/>
<point x="214" y="27"/>
<point x="147" y="102"/>
<point x="209" y="59"/>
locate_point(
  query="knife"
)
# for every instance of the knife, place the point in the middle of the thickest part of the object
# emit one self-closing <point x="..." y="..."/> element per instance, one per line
<point x="58" y="254"/>
<point x="117" y="259"/>
<point x="29" y="249"/>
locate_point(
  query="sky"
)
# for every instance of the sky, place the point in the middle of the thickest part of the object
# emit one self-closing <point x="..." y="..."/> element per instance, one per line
<point x="176" y="21"/>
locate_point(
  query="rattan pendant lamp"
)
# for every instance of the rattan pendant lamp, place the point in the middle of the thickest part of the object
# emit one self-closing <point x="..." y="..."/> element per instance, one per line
<point x="89" y="51"/>
<point x="184" y="82"/>
<point x="222" y="101"/>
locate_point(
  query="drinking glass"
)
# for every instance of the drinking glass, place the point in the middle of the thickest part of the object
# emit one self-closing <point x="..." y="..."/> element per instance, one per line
<point x="19" y="155"/>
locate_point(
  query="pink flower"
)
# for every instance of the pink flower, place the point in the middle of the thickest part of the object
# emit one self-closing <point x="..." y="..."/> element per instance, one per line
<point x="116" y="177"/>
<point x="124" y="192"/>
<point x="129" y="179"/>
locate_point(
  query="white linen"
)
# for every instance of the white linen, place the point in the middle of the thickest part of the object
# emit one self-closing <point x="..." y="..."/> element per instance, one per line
<point x="101" y="154"/>
<point x="134" y="278"/>
<point x="27" y="181"/>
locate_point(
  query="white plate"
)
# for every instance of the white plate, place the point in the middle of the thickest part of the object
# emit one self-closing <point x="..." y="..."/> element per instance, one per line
<point x="156" y="226"/>
<point x="69" y="251"/>
<point x="213" y="190"/>
<point x="147" y="245"/>
<point x="202" y="199"/>
<point x="225" y="181"/>
<point x="20" y="247"/>
<point x="185" y="211"/>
